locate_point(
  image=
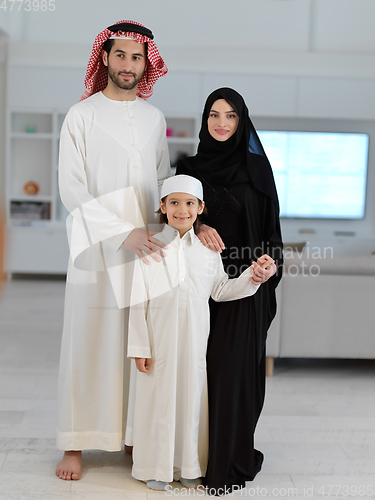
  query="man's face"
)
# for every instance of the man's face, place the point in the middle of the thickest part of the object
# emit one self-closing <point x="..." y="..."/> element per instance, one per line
<point x="126" y="63"/>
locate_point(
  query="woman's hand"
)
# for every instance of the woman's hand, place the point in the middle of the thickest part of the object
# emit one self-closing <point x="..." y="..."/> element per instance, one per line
<point x="143" y="364"/>
<point x="210" y="238"/>
<point x="263" y="269"/>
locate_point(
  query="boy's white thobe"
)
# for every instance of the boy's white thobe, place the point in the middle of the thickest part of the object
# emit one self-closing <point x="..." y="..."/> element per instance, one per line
<point x="170" y="324"/>
<point x="112" y="154"/>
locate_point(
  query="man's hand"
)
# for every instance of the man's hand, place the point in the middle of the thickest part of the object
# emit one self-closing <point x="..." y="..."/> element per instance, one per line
<point x="210" y="238"/>
<point x="263" y="269"/>
<point x="143" y="364"/>
<point x="141" y="241"/>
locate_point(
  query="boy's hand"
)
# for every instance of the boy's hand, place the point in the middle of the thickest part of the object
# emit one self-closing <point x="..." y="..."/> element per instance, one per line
<point x="143" y="364"/>
<point x="263" y="269"/>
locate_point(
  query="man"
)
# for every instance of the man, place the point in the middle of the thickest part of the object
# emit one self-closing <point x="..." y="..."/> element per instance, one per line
<point x="113" y="155"/>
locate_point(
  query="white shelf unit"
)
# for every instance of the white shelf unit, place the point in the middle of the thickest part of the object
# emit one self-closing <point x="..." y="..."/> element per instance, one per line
<point x="37" y="240"/>
<point x="182" y="137"/>
<point x="32" y="148"/>
<point x="36" y="223"/>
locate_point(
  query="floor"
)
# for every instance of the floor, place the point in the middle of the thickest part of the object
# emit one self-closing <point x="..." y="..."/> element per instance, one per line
<point x="317" y="430"/>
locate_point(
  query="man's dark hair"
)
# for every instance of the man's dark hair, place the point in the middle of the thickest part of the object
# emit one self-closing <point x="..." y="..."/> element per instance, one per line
<point x="108" y="44"/>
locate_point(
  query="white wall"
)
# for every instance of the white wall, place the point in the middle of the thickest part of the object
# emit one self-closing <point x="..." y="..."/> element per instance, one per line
<point x="289" y="58"/>
<point x="260" y="24"/>
<point x="283" y="25"/>
<point x="4" y="23"/>
<point x="345" y="26"/>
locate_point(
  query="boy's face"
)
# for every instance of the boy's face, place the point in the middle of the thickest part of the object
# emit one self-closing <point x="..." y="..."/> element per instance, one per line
<point x="181" y="210"/>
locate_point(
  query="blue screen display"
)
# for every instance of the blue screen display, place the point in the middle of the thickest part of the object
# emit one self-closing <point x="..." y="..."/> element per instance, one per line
<point x="319" y="175"/>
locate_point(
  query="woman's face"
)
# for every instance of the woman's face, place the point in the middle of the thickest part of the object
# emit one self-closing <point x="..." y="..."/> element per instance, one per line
<point x="222" y="120"/>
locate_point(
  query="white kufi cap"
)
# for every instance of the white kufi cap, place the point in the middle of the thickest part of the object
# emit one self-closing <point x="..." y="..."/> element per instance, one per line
<point x="182" y="184"/>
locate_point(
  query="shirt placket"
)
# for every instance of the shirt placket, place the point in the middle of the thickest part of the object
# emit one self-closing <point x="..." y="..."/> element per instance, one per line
<point x="135" y="163"/>
<point x="182" y="277"/>
<point x="136" y="173"/>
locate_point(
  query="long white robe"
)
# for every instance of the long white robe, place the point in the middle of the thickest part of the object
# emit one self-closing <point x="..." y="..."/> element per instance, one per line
<point x="112" y="155"/>
<point x="170" y="324"/>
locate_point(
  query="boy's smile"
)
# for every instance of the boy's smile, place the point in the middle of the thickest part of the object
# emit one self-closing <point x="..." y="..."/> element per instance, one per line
<point x="182" y="210"/>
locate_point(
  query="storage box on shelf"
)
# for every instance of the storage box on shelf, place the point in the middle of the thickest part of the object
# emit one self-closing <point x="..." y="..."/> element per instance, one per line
<point x="35" y="214"/>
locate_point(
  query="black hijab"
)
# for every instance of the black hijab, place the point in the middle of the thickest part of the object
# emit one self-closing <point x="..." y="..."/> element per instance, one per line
<point x="236" y="160"/>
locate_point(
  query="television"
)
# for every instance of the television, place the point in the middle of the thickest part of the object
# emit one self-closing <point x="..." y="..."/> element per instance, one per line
<point x="319" y="175"/>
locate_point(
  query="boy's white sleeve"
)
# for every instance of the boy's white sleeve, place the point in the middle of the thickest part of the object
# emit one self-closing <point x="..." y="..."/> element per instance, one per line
<point x="225" y="289"/>
<point x="138" y="337"/>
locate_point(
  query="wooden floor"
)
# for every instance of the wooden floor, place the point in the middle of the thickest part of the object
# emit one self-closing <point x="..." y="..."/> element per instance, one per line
<point x="317" y="430"/>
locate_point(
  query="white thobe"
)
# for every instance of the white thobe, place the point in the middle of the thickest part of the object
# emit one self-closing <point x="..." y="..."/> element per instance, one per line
<point x="171" y="326"/>
<point x="113" y="154"/>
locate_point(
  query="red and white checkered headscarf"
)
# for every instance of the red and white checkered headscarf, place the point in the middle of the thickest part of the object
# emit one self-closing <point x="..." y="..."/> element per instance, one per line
<point x="97" y="73"/>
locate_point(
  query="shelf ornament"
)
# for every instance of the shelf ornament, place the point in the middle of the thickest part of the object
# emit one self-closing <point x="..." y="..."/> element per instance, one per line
<point x="31" y="188"/>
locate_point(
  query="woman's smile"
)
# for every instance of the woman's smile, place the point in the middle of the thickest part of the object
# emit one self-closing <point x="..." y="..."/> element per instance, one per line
<point x="221" y="131"/>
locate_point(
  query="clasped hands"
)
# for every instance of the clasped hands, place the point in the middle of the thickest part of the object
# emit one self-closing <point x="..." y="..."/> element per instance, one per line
<point x="263" y="268"/>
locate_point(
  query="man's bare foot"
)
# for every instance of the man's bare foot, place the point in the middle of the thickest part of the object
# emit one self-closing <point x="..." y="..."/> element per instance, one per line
<point x="128" y="449"/>
<point x="70" y="467"/>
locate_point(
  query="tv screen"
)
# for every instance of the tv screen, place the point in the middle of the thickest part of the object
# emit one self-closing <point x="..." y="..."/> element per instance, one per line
<point x="319" y="175"/>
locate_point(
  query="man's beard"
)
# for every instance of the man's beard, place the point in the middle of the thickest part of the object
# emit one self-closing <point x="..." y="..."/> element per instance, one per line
<point x="123" y="84"/>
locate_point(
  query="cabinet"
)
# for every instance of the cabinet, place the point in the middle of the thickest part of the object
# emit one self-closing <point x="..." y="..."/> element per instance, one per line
<point x="35" y="214"/>
<point x="36" y="219"/>
<point x="182" y="136"/>
<point x="32" y="151"/>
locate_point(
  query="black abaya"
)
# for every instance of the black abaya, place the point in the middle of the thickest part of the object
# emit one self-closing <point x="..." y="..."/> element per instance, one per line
<point x="245" y="214"/>
<point x="236" y="350"/>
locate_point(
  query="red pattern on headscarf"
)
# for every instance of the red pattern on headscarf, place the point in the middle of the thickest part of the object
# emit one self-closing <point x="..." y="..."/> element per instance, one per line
<point x="97" y="73"/>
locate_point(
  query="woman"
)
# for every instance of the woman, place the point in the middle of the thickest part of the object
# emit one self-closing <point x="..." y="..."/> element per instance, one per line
<point x="243" y="210"/>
